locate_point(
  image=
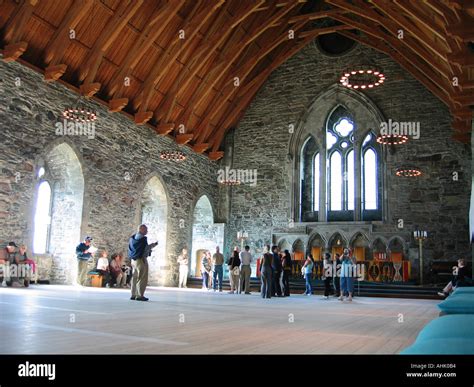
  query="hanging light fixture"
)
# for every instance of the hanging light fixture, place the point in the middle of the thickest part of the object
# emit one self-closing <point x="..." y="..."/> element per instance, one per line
<point x="230" y="182"/>
<point x="175" y="155"/>
<point x="392" y="139"/>
<point x="408" y="172"/>
<point x="79" y="114"/>
<point x="388" y="136"/>
<point x="362" y="77"/>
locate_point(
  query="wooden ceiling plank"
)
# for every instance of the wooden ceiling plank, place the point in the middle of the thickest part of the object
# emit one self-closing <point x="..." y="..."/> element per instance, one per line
<point x="117" y="22"/>
<point x="165" y="108"/>
<point x="174" y="50"/>
<point x="374" y="31"/>
<point x="249" y="90"/>
<point x="204" y="53"/>
<point x="326" y="30"/>
<point x="365" y="12"/>
<point x="149" y="34"/>
<point x="15" y="27"/>
<point x="414" y="10"/>
<point x="61" y="38"/>
<point x="316" y="15"/>
<point x="229" y="60"/>
<point x="241" y="71"/>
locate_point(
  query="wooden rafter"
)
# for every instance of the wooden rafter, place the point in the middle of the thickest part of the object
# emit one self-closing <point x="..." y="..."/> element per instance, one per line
<point x="203" y="54"/>
<point x="174" y="50"/>
<point x="54" y="51"/>
<point x="242" y="71"/>
<point x="14" y="31"/>
<point x="226" y="62"/>
<point x="155" y="26"/>
<point x="424" y="70"/>
<point x="117" y="22"/>
<point x="251" y="88"/>
<point x="192" y="81"/>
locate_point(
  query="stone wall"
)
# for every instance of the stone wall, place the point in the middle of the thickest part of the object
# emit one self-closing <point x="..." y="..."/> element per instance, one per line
<point x="435" y="202"/>
<point x="116" y="164"/>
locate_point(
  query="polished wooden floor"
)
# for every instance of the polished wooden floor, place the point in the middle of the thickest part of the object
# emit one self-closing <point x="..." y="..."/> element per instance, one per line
<point x="52" y="319"/>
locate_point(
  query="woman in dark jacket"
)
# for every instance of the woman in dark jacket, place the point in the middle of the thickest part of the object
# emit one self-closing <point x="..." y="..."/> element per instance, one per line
<point x="287" y="266"/>
<point x="327" y="274"/>
<point x="266" y="275"/>
<point x="234" y="272"/>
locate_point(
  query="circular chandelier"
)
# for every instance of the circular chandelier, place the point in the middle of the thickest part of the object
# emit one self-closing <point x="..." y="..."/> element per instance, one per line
<point x="408" y="172"/>
<point x="362" y="77"/>
<point x="79" y="114"/>
<point x="172" y="155"/>
<point x="230" y="182"/>
<point x="392" y="139"/>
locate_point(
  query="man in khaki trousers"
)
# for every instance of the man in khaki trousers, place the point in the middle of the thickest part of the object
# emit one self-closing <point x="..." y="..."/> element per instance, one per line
<point x="138" y="252"/>
<point x="245" y="270"/>
<point x="83" y="255"/>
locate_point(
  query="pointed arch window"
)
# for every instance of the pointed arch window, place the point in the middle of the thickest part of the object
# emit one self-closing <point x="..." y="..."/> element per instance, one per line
<point x="341" y="168"/>
<point x="316" y="184"/>
<point x="340" y="130"/>
<point x="371" y="179"/>
<point x="42" y="219"/>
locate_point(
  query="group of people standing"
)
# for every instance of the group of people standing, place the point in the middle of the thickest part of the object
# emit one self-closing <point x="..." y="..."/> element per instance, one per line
<point x="212" y="270"/>
<point x="277" y="265"/>
<point x="275" y="268"/>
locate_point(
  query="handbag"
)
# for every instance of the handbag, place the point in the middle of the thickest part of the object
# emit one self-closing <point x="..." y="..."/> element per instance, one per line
<point x="236" y="271"/>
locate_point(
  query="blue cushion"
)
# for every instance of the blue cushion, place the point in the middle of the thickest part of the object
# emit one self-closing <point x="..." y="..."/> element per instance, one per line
<point x="464" y="289"/>
<point x="449" y="346"/>
<point x="449" y="326"/>
<point x="458" y="304"/>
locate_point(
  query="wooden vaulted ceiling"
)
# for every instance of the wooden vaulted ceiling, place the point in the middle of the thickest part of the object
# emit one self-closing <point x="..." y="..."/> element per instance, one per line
<point x="190" y="68"/>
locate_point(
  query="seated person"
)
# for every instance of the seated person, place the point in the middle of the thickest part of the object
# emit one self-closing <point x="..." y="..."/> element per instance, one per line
<point x="103" y="268"/>
<point x="9" y="259"/>
<point x="118" y="276"/>
<point x="127" y="269"/>
<point x="459" y="278"/>
<point x="6" y="256"/>
<point x="24" y="268"/>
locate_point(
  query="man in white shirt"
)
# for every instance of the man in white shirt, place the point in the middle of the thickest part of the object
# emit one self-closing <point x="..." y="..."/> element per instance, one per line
<point x="245" y="269"/>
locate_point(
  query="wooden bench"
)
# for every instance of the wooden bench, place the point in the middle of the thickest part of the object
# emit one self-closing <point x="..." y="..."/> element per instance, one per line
<point x="96" y="280"/>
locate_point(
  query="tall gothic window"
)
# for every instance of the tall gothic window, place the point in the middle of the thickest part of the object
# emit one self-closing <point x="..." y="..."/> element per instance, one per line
<point x="42" y="219"/>
<point x="371" y="179"/>
<point x="353" y="174"/>
<point x="340" y="162"/>
<point x="316" y="177"/>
